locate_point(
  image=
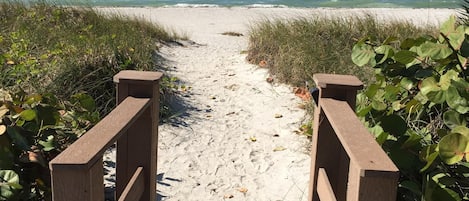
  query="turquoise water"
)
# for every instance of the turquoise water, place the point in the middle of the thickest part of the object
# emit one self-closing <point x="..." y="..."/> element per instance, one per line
<point x="274" y="3"/>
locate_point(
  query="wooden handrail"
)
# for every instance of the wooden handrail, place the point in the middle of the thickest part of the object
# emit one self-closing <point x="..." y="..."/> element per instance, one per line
<point x="357" y="141"/>
<point x="357" y="167"/>
<point x="77" y="173"/>
<point x="90" y="147"/>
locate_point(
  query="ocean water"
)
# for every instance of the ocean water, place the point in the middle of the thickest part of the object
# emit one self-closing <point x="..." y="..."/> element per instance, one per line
<point x="272" y="3"/>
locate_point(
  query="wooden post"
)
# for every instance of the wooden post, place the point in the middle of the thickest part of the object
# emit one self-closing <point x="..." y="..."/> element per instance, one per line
<point x="326" y="151"/>
<point x="75" y="182"/>
<point x="138" y="147"/>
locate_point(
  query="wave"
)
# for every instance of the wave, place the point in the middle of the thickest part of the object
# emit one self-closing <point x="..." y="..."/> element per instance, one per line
<point x="187" y="5"/>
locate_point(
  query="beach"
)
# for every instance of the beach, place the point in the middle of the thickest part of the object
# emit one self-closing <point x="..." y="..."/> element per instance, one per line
<point x="234" y="135"/>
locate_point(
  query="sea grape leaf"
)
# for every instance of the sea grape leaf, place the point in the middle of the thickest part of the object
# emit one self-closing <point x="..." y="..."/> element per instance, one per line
<point x="463" y="130"/>
<point x="394" y="124"/>
<point x="435" y="51"/>
<point x="17" y="138"/>
<point x="431" y="89"/>
<point x="405" y="56"/>
<point x="456" y="37"/>
<point x="406" y="83"/>
<point x="85" y="100"/>
<point x="48" y="144"/>
<point x="452" y="148"/>
<point x="363" y="54"/>
<point x="445" y="80"/>
<point x="455" y="101"/>
<point x="448" y="26"/>
<point x="453" y="119"/>
<point x="429" y="154"/>
<point x="9" y="183"/>
<point x="387" y="52"/>
<point x="428" y="85"/>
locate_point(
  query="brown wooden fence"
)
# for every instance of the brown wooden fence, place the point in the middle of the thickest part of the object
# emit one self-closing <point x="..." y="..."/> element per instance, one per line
<point x="346" y="162"/>
<point x="77" y="173"/>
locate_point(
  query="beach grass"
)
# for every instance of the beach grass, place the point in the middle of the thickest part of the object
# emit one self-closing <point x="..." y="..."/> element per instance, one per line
<point x="294" y="50"/>
<point x="46" y="48"/>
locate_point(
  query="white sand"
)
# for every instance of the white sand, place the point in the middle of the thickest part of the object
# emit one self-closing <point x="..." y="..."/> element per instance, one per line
<point x="208" y="152"/>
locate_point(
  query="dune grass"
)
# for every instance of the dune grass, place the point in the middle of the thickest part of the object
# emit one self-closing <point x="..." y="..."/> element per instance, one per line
<point x="64" y="50"/>
<point x="294" y="50"/>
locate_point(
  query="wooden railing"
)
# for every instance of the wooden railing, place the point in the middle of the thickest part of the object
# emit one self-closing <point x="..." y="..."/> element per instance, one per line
<point x="77" y="173"/>
<point x="346" y="162"/>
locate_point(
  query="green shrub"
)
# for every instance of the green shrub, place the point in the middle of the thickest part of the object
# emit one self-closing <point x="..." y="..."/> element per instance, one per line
<point x="55" y="59"/>
<point x="296" y="49"/>
<point x="418" y="109"/>
<point x="33" y="130"/>
<point x="64" y="51"/>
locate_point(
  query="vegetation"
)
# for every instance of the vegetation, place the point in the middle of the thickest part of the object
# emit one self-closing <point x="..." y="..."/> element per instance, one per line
<point x="53" y="60"/>
<point x="294" y="50"/>
<point x="51" y="49"/>
<point x="416" y="101"/>
<point x="418" y="110"/>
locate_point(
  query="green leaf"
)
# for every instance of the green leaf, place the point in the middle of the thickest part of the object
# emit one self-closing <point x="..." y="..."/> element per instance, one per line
<point x="391" y="92"/>
<point x="48" y="144"/>
<point x="463" y="130"/>
<point x="394" y="124"/>
<point x="412" y="140"/>
<point x="406" y="83"/>
<point x="386" y="50"/>
<point x="28" y="115"/>
<point x="378" y="105"/>
<point x="362" y="54"/>
<point x="9" y="183"/>
<point x="410" y="42"/>
<point x="32" y="99"/>
<point x="18" y="138"/>
<point x="405" y="56"/>
<point x="453" y="147"/>
<point x="85" y="101"/>
<point x="445" y="80"/>
<point x="456" y="37"/>
<point x="431" y="89"/>
<point x="429" y="154"/>
<point x="428" y="85"/>
<point x="453" y="119"/>
<point x="435" y="51"/>
<point x="412" y="186"/>
<point x="413" y="106"/>
<point x="448" y="26"/>
<point x="455" y="101"/>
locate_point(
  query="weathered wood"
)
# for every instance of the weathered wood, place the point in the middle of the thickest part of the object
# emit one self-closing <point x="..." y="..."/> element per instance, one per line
<point x="325" y="191"/>
<point x="343" y="147"/>
<point x="340" y="87"/>
<point x="357" y="141"/>
<point x="90" y="147"/>
<point x="326" y="151"/>
<point x="70" y="183"/>
<point x="139" y="146"/>
<point x="134" y="189"/>
<point x="77" y="173"/>
<point x="372" y="187"/>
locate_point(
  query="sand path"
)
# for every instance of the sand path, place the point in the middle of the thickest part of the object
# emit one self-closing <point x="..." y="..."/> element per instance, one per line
<point x="224" y="147"/>
<point x="226" y="143"/>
